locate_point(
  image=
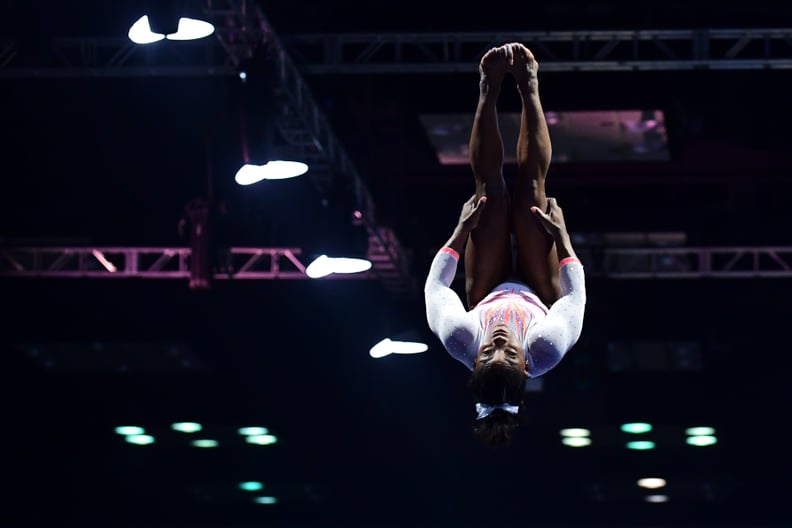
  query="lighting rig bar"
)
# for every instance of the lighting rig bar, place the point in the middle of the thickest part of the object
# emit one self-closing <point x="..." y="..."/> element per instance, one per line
<point x="556" y="51"/>
<point x="249" y="263"/>
<point x="285" y="263"/>
<point x="372" y="53"/>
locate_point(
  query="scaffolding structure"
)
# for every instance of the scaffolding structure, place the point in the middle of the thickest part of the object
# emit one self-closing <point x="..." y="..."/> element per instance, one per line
<point x="268" y="263"/>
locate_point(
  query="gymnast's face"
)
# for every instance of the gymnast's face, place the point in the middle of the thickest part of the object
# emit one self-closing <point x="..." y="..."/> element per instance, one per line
<point x="501" y="346"/>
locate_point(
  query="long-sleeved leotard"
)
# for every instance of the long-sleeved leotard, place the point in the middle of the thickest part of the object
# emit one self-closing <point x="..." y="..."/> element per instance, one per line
<point x="547" y="334"/>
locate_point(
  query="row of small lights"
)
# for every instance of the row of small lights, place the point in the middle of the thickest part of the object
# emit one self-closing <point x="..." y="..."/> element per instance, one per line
<point x="699" y="436"/>
<point x="138" y="436"/>
<point x="696" y="436"/>
<point x="253" y="435"/>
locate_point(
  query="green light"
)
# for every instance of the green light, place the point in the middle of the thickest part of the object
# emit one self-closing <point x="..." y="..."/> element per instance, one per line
<point x="251" y="486"/>
<point x="576" y="441"/>
<point x="140" y="439"/>
<point x="701" y="441"/>
<point x="700" y="431"/>
<point x="265" y="500"/>
<point x="263" y="439"/>
<point x="204" y="442"/>
<point x="641" y="445"/>
<point x="575" y="432"/>
<point x="186" y="427"/>
<point x="128" y="430"/>
<point x="636" y="428"/>
<point x="251" y="431"/>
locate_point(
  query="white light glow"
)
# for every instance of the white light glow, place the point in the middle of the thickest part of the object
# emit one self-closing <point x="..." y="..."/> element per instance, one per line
<point x="641" y="445"/>
<point x="387" y="347"/>
<point x="636" y="427"/>
<point x="264" y="439"/>
<point x="140" y="439"/>
<point x="140" y="32"/>
<point x="323" y="266"/>
<point x="320" y="267"/>
<point x="576" y="441"/>
<point x="657" y="499"/>
<point x="349" y="265"/>
<point x="191" y="29"/>
<point x="204" y="442"/>
<point x="186" y="427"/>
<point x="250" y="431"/>
<point x="651" y="482"/>
<point x="700" y="431"/>
<point x="701" y="441"/>
<point x="129" y="430"/>
<point x="249" y="174"/>
<point x="575" y="432"/>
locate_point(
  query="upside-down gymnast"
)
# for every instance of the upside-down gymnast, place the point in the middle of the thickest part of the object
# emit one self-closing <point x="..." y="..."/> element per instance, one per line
<point x="520" y="320"/>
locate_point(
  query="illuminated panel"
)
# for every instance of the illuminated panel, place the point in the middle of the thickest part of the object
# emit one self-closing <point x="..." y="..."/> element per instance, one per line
<point x="578" y="137"/>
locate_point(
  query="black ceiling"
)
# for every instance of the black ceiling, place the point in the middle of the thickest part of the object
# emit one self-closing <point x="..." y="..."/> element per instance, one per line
<point x="112" y="161"/>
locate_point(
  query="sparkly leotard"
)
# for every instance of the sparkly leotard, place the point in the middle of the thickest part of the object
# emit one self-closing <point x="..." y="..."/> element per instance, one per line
<point x="546" y="334"/>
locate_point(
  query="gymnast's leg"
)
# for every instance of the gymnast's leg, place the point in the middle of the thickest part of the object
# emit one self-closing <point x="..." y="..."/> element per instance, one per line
<point x="537" y="260"/>
<point x="488" y="250"/>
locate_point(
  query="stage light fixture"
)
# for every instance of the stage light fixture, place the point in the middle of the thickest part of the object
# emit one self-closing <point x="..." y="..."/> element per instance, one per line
<point x="177" y="20"/>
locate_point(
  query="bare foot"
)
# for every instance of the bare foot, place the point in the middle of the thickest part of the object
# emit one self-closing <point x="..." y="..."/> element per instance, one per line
<point x="496" y="63"/>
<point x="525" y="68"/>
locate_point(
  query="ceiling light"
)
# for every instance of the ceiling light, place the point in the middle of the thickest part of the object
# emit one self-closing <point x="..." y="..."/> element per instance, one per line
<point x="651" y="482"/>
<point x="264" y="439"/>
<point x="323" y="266"/>
<point x="575" y="432"/>
<point x="251" y="486"/>
<point x="191" y="29"/>
<point x="641" y="445"/>
<point x="636" y="427"/>
<point x="576" y="441"/>
<point x="140" y="32"/>
<point x="701" y="441"/>
<point x="249" y="431"/>
<point x="388" y="346"/>
<point x="250" y="173"/>
<point x="170" y="19"/>
<point x="700" y="431"/>
<point x="186" y="427"/>
<point x="140" y="439"/>
<point x="204" y="442"/>
<point x="129" y="430"/>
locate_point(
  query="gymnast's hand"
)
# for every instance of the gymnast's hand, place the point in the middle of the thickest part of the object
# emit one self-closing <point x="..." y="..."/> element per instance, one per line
<point x="471" y="211"/>
<point x="552" y="219"/>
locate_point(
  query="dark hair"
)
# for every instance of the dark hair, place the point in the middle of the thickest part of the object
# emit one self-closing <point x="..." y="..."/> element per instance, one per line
<point x="494" y="385"/>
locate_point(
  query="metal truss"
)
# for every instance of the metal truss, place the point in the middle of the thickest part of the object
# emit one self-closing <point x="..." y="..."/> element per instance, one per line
<point x="150" y="263"/>
<point x="241" y="29"/>
<point x="559" y="51"/>
<point x="306" y="127"/>
<point x="688" y="262"/>
<point x="284" y="263"/>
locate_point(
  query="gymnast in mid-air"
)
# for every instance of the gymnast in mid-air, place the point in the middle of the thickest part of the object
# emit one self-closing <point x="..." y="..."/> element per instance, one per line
<point x="524" y="313"/>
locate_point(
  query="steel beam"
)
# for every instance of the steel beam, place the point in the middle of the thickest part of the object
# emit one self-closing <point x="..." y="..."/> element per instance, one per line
<point x="248" y="263"/>
<point x="732" y="262"/>
<point x="557" y="51"/>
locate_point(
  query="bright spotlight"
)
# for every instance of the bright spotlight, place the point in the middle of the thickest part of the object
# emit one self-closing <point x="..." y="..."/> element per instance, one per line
<point x="323" y="266"/>
<point x="249" y="174"/>
<point x="191" y="29"/>
<point x="387" y="347"/>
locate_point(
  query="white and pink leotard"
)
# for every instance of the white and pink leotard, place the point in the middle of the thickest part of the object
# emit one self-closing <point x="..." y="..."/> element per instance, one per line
<point x="547" y="334"/>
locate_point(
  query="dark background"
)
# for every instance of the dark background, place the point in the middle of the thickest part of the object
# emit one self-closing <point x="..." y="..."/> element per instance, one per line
<point x="113" y="161"/>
